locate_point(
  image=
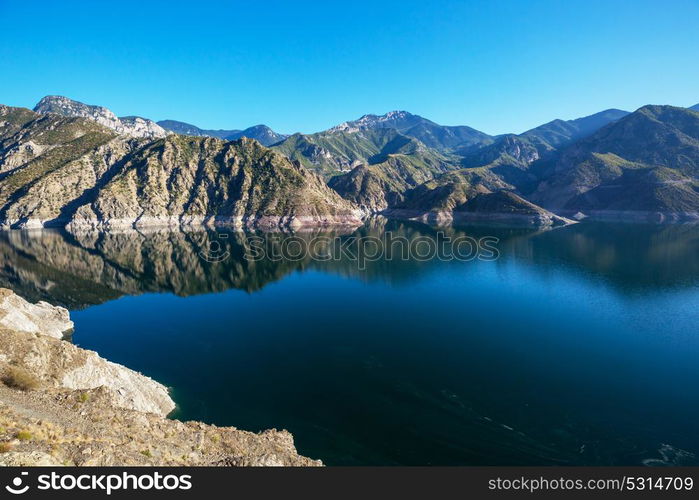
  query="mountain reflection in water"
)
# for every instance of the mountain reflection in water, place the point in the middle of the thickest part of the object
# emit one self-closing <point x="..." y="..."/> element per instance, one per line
<point x="576" y="346"/>
<point x="80" y="270"/>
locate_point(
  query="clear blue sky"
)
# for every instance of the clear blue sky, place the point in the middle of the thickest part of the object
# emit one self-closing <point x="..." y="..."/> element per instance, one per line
<point x="305" y="66"/>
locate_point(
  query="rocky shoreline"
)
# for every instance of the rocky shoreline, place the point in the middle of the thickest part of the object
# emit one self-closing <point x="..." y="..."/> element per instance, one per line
<point x="441" y="218"/>
<point x="179" y="222"/>
<point x="63" y="405"/>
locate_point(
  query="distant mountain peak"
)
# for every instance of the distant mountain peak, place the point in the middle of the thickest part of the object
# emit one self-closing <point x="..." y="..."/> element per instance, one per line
<point x="392" y="119"/>
<point x="261" y="133"/>
<point x="695" y="107"/>
<point x="558" y="133"/>
<point x="183" y="128"/>
<point x="61" y="105"/>
<point x="129" y="125"/>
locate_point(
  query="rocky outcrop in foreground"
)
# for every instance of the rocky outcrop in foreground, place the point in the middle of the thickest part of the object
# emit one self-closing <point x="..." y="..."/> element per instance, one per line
<point x="63" y="405"/>
<point x="41" y="318"/>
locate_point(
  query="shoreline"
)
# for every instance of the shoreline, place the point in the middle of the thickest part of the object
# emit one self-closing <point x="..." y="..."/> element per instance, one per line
<point x="346" y="222"/>
<point x="236" y="222"/>
<point x="64" y="405"/>
<point x="484" y="218"/>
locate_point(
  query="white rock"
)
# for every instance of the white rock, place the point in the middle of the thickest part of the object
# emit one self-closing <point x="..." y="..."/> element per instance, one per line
<point x="37" y="345"/>
<point x="131" y="125"/>
<point x="41" y="318"/>
<point x="129" y="389"/>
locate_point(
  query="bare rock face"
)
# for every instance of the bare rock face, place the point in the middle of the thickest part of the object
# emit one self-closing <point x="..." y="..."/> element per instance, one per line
<point x="130" y="125"/>
<point x="201" y="180"/>
<point x="129" y="389"/>
<point x="40" y="318"/>
<point x="392" y="119"/>
<point x="142" y="127"/>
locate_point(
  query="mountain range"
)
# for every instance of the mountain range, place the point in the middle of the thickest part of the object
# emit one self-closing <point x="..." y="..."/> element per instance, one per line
<point x="77" y="172"/>
<point x="261" y="133"/>
<point x="76" y="165"/>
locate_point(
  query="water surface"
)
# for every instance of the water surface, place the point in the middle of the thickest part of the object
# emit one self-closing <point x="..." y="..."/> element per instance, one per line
<point x="576" y="346"/>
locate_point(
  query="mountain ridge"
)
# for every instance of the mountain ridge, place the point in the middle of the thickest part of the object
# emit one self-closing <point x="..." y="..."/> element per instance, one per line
<point x="509" y="157"/>
<point x="558" y="133"/>
<point x="443" y="138"/>
<point x="261" y="133"/>
<point x="646" y="163"/>
<point x="129" y="125"/>
<point x="81" y="166"/>
<point x="648" y="160"/>
<point x="68" y="171"/>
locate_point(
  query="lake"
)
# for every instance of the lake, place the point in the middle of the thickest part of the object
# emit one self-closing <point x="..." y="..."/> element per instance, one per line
<point x="573" y="346"/>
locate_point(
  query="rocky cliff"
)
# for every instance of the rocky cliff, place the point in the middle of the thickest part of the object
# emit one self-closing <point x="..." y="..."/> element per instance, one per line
<point x="193" y="180"/>
<point x="134" y="126"/>
<point x="57" y="171"/>
<point x="62" y="405"/>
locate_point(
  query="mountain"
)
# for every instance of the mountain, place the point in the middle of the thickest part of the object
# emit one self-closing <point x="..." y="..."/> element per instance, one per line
<point x="187" y="129"/>
<point x="611" y="162"/>
<point x="560" y="133"/>
<point x="511" y="156"/>
<point x="261" y="133"/>
<point x="372" y="161"/>
<point x="512" y="159"/>
<point x="440" y="137"/>
<point x="695" y="107"/>
<point x="81" y="166"/>
<point x="505" y="207"/>
<point x="333" y="153"/>
<point x="48" y="160"/>
<point x="508" y="158"/>
<point x="645" y="164"/>
<point x="475" y="204"/>
<point x="397" y="120"/>
<point x="381" y="185"/>
<point x="128" y="125"/>
<point x="197" y="179"/>
<point x="57" y="170"/>
<point x="370" y="167"/>
<point x="445" y="192"/>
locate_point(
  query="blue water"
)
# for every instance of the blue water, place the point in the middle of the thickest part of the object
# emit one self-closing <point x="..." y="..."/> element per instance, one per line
<point x="577" y="346"/>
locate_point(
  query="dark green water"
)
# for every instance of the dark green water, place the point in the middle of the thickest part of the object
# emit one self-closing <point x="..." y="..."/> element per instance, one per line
<point x="576" y="346"/>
